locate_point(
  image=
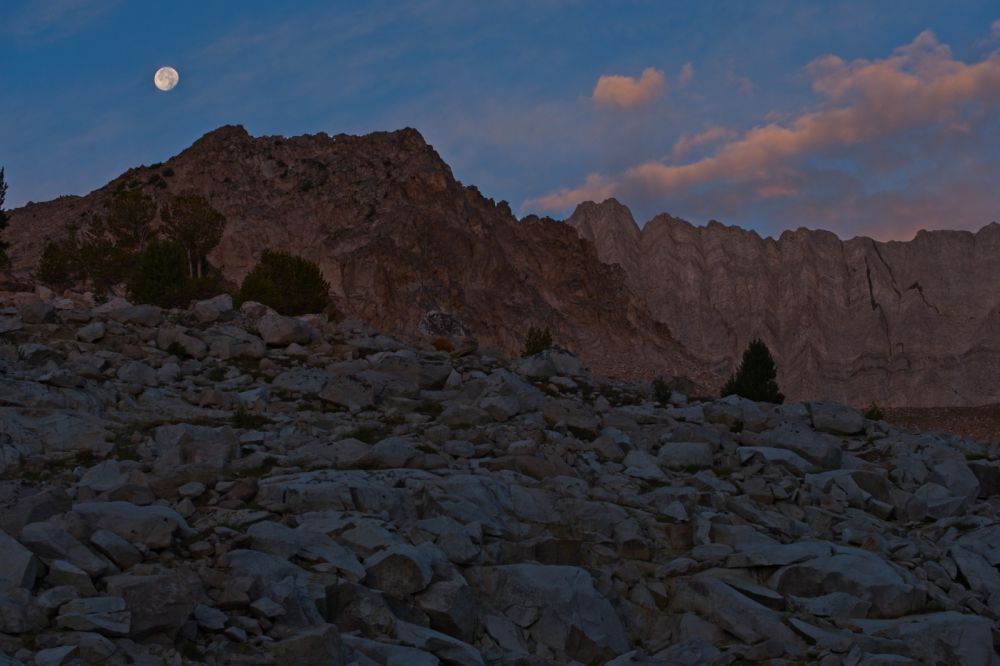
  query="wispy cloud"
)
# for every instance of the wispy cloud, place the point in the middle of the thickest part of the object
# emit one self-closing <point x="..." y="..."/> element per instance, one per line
<point x="627" y="91"/>
<point x="688" y="142"/>
<point x="685" y="75"/>
<point x="864" y="105"/>
<point x="49" y="20"/>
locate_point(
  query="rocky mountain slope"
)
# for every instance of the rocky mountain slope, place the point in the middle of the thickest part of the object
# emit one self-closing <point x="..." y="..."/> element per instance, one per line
<point x="219" y="486"/>
<point x="396" y="236"/>
<point x="900" y="323"/>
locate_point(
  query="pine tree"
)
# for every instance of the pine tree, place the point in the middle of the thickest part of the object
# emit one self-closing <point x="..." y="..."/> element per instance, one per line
<point x="3" y="219"/>
<point x="289" y="284"/>
<point x="159" y="275"/>
<point x="755" y="378"/>
<point x="129" y="218"/>
<point x="196" y="226"/>
<point x="538" y="340"/>
<point x="101" y="258"/>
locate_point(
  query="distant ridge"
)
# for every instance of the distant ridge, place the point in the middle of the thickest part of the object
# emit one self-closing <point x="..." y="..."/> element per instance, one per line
<point x="900" y="323"/>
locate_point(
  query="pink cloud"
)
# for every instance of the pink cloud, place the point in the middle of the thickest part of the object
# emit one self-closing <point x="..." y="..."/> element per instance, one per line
<point x="995" y="28"/>
<point x="595" y="188"/>
<point x="687" y="142"/>
<point x="863" y="102"/>
<point x="627" y="91"/>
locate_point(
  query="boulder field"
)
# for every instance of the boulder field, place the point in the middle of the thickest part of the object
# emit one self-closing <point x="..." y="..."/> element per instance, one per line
<point x="228" y="486"/>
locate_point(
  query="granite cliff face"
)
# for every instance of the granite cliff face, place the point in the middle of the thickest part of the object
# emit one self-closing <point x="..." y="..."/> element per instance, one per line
<point x="901" y="323"/>
<point x="396" y="236"/>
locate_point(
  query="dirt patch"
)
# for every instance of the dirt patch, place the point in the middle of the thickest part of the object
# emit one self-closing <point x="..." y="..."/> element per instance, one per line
<point x="981" y="423"/>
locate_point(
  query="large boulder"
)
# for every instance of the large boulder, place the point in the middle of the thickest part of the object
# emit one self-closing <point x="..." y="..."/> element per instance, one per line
<point x="279" y="331"/>
<point x="835" y="418"/>
<point x="939" y="638"/>
<point x="318" y="646"/>
<point x="18" y="565"/>
<point x="137" y="372"/>
<point x="50" y="540"/>
<point x="425" y="373"/>
<point x="549" y="363"/>
<point x="400" y="570"/>
<point x="152" y="525"/>
<point x="226" y="342"/>
<point x="104" y="615"/>
<point x="186" y="444"/>
<point x="160" y="603"/>
<point x="211" y="309"/>
<point x="574" y="620"/>
<point x="349" y="392"/>
<point x="726" y="606"/>
<point x="890" y="590"/>
<point x="818" y="448"/>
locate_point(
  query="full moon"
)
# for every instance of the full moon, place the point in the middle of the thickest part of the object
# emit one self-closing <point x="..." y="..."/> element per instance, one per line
<point x="166" y="78"/>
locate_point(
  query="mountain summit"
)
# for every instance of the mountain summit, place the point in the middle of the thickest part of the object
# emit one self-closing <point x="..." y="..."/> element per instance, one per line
<point x="396" y="236"/>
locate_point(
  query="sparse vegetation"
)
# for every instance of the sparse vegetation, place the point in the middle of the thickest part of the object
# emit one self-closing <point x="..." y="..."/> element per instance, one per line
<point x="369" y="434"/>
<point x="756" y="375"/>
<point x="538" y="340"/>
<point x="661" y="391"/>
<point x="191" y="221"/>
<point x="216" y="374"/>
<point x="102" y="259"/>
<point x="175" y="349"/>
<point x="248" y="420"/>
<point x="128" y="221"/>
<point x="159" y="276"/>
<point x="60" y="262"/>
<point x="288" y="283"/>
<point x="3" y="218"/>
<point x="874" y="413"/>
<point x="121" y="247"/>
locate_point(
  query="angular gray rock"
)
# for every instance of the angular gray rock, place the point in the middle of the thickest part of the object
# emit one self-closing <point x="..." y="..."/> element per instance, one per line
<point x="574" y="619"/>
<point x="282" y="331"/>
<point x="18" y="565"/>
<point x="153" y="526"/>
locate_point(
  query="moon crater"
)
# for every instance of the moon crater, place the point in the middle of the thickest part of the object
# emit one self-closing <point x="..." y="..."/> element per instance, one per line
<point x="166" y="78"/>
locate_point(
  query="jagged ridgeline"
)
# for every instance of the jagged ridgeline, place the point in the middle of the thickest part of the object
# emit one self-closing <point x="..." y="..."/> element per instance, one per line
<point x="396" y="236"/>
<point x="897" y="323"/>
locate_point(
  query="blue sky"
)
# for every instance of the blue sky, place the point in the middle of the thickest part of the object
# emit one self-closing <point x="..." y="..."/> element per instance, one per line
<point x="512" y="97"/>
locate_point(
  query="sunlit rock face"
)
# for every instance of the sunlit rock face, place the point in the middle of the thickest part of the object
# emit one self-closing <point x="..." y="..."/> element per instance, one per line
<point x="397" y="237"/>
<point x="901" y="323"/>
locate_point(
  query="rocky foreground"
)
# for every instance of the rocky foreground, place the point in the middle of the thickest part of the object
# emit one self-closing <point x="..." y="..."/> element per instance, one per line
<point x="235" y="487"/>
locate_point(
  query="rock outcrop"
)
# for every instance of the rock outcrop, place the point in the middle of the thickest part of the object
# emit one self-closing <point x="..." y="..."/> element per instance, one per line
<point x="348" y="498"/>
<point x="912" y="323"/>
<point x="397" y="237"/>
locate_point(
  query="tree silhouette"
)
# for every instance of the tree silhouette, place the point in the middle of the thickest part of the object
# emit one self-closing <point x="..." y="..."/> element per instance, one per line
<point x="290" y="284"/>
<point x="755" y="378"/>
<point x="129" y="216"/>
<point x="3" y="218"/>
<point x="158" y="276"/>
<point x="191" y="221"/>
<point x="538" y="340"/>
